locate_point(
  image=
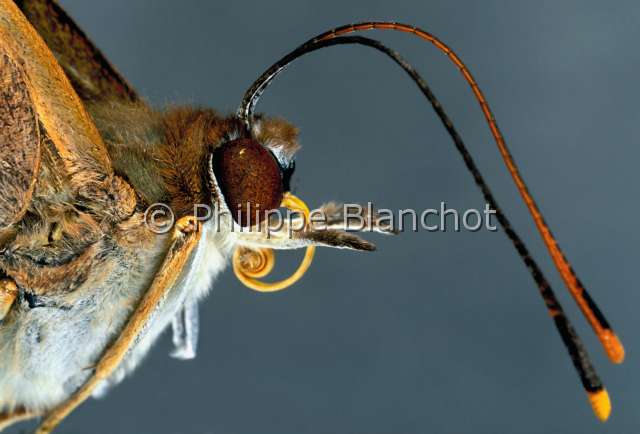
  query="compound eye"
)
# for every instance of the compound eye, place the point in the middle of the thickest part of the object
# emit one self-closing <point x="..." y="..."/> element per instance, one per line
<point x="250" y="179"/>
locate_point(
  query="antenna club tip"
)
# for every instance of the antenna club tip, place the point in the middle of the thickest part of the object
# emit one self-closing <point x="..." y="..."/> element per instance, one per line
<point x="613" y="346"/>
<point x="601" y="404"/>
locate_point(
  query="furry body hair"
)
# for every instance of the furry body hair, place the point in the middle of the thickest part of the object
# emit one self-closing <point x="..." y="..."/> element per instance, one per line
<point x="80" y="278"/>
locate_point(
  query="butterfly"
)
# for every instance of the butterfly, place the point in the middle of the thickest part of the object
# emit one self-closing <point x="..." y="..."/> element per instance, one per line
<point x="106" y="230"/>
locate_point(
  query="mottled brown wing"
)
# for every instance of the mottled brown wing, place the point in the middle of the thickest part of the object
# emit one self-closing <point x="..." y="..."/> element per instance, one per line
<point x="91" y="75"/>
<point x="40" y="105"/>
<point x="19" y="143"/>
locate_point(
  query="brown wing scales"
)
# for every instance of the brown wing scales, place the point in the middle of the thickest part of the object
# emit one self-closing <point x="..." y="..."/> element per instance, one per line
<point x="90" y="73"/>
<point x="64" y="118"/>
<point x="58" y="107"/>
<point x="58" y="189"/>
<point x="19" y="143"/>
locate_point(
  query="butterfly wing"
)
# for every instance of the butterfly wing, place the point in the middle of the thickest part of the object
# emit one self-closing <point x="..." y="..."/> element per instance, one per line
<point x="90" y="73"/>
<point x="19" y="142"/>
<point x="62" y="171"/>
<point x="48" y="95"/>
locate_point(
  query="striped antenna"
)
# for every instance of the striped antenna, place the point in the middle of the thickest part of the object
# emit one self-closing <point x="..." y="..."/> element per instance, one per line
<point x="598" y="322"/>
<point x="596" y="392"/>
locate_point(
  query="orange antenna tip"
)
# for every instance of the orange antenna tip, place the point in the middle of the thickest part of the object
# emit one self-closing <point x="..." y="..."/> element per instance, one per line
<point x="601" y="404"/>
<point x="613" y="346"/>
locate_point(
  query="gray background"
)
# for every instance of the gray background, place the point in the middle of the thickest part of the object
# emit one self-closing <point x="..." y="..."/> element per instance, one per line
<point x="434" y="332"/>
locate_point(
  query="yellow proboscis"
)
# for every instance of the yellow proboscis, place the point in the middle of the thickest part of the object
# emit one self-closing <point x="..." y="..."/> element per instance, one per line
<point x="250" y="264"/>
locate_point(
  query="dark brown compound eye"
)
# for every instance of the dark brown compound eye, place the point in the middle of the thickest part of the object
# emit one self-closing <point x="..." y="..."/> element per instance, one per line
<point x="250" y="179"/>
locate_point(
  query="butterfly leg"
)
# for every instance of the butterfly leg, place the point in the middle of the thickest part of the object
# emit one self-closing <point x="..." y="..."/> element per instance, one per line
<point x="185" y="236"/>
<point x="15" y="416"/>
<point x="185" y="331"/>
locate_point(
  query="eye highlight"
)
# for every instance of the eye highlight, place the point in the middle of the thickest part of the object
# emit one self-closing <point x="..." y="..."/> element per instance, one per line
<point x="250" y="179"/>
